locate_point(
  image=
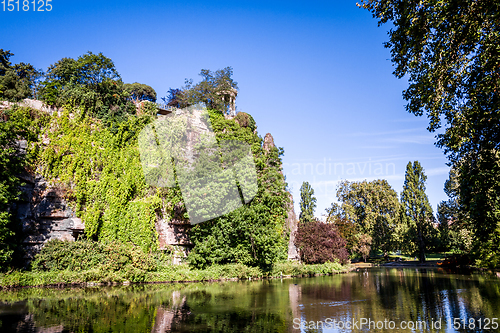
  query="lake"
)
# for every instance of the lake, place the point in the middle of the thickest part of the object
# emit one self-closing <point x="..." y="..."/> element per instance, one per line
<point x="374" y="299"/>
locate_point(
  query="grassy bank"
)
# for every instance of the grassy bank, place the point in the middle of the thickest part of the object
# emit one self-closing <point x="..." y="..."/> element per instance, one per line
<point x="178" y="273"/>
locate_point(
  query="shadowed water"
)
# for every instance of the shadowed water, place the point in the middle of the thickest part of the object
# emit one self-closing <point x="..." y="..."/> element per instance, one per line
<point x="423" y="300"/>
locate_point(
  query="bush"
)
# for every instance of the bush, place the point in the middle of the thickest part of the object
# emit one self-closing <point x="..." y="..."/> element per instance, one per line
<point x="83" y="255"/>
<point x="246" y="120"/>
<point x="320" y="242"/>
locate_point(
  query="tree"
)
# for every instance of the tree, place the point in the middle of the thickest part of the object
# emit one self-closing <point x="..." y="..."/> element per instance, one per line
<point x="363" y="246"/>
<point x="449" y="52"/>
<point x="213" y="90"/>
<point x="176" y="98"/>
<point x="448" y="212"/>
<point x="89" y="70"/>
<point x="18" y="81"/>
<point x="92" y="83"/>
<point x="140" y="92"/>
<point x="307" y="203"/>
<point x="372" y="207"/>
<point x="416" y="208"/>
<point x="320" y="242"/>
<point x="346" y="228"/>
<point x="5" y="64"/>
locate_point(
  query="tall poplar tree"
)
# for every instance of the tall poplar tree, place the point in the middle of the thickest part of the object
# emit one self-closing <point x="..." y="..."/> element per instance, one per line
<point x="307" y="203"/>
<point x="416" y="210"/>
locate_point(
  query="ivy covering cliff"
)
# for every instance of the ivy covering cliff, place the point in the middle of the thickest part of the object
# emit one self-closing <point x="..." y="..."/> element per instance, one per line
<point x="100" y="170"/>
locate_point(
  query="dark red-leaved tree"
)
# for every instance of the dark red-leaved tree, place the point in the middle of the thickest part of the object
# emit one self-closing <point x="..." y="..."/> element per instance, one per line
<point x="320" y="242"/>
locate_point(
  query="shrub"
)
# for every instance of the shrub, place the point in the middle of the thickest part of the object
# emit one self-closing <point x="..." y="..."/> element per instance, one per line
<point x="246" y="120"/>
<point x="320" y="242"/>
<point x="83" y="255"/>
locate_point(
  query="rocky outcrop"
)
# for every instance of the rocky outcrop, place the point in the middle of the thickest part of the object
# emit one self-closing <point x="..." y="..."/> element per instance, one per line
<point x="32" y="103"/>
<point x="268" y="142"/>
<point x="292" y="224"/>
<point x="45" y="214"/>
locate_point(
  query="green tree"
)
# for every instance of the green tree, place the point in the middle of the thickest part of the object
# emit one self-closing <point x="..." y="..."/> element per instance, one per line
<point x="347" y="228"/>
<point x="307" y="203"/>
<point x="140" y="92"/>
<point x="176" y="98"/>
<point x="448" y="213"/>
<point x="449" y="52"/>
<point x="17" y="81"/>
<point x="90" y="82"/>
<point x="212" y="90"/>
<point x="417" y="211"/>
<point x="363" y="246"/>
<point x="5" y="64"/>
<point x="373" y="208"/>
<point x="479" y="197"/>
<point x="254" y="234"/>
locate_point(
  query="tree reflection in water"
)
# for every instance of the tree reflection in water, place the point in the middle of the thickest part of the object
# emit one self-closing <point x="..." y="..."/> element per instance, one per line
<point x="258" y="306"/>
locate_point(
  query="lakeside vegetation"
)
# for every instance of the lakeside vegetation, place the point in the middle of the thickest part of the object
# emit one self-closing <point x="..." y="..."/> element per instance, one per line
<point x="170" y="273"/>
<point x="90" y="150"/>
<point x="88" y="262"/>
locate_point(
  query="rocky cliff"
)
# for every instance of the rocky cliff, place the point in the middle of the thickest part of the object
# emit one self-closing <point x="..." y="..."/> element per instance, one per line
<point x="46" y="213"/>
<point x="291" y="220"/>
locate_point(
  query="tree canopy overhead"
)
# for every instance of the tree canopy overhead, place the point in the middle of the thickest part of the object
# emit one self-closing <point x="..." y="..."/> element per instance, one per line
<point x="450" y="53"/>
<point x="449" y="50"/>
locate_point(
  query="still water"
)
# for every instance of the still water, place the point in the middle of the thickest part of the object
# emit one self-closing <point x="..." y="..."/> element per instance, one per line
<point x="375" y="300"/>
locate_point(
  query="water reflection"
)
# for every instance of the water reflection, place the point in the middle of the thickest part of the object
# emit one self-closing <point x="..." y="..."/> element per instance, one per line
<point x="426" y="296"/>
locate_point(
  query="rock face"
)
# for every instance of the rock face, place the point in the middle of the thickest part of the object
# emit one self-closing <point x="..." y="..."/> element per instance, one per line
<point x="173" y="234"/>
<point x="292" y="224"/>
<point x="268" y="142"/>
<point x="32" y="103"/>
<point x="45" y="214"/>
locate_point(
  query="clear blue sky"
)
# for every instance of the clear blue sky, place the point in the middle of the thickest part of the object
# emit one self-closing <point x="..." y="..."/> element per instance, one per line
<point x="314" y="74"/>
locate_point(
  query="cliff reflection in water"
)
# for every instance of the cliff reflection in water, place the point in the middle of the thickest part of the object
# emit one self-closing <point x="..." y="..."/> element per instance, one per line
<point x="256" y="306"/>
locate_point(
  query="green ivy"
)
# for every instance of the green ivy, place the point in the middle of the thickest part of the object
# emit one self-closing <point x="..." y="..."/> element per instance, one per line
<point x="102" y="173"/>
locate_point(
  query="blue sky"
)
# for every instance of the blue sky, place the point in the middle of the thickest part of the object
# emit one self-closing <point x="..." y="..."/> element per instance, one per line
<point x="314" y="74"/>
